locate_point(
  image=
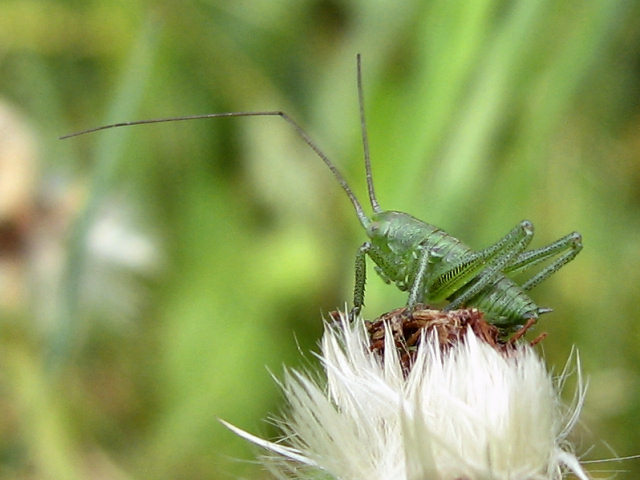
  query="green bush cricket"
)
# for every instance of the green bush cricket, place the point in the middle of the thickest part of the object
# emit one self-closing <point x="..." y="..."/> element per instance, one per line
<point x="422" y="259"/>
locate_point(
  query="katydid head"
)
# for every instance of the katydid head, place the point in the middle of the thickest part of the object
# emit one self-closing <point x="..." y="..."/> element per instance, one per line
<point x="399" y="231"/>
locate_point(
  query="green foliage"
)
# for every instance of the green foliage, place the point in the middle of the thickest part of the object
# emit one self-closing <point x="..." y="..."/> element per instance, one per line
<point x="480" y="114"/>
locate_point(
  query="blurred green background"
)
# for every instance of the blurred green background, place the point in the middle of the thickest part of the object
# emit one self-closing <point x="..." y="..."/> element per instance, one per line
<point x="227" y="240"/>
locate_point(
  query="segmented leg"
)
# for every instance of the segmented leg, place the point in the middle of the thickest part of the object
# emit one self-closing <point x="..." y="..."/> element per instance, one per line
<point x="475" y="264"/>
<point x="386" y="268"/>
<point x="417" y="289"/>
<point x="574" y="242"/>
<point x="495" y="265"/>
<point x="526" y="260"/>
<point x="361" y="279"/>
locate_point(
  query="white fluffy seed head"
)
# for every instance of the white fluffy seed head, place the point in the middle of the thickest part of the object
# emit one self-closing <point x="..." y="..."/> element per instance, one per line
<point x="469" y="412"/>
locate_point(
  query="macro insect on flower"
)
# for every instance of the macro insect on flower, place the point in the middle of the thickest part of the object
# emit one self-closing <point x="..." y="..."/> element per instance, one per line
<point x="423" y="395"/>
<point x="432" y="265"/>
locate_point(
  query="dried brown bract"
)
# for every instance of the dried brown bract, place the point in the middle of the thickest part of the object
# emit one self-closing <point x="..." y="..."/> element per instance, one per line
<point x="449" y="327"/>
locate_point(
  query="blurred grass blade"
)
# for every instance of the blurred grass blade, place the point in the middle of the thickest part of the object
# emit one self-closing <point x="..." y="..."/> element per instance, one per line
<point x="108" y="152"/>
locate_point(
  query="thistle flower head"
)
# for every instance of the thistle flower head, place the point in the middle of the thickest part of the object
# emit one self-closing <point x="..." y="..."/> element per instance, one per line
<point x="459" y="405"/>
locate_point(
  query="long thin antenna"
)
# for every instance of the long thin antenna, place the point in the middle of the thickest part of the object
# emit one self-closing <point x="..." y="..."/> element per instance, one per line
<point x="365" y="142"/>
<point x="307" y="139"/>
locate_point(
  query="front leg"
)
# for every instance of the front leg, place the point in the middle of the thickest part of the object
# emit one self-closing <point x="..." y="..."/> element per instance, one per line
<point x="361" y="279"/>
<point x="387" y="269"/>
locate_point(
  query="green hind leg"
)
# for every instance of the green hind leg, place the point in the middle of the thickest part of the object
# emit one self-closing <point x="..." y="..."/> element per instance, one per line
<point x="570" y="244"/>
<point x="473" y="265"/>
<point x="501" y="257"/>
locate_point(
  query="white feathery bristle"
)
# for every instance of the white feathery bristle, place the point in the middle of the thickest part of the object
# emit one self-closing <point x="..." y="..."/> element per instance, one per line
<point x="469" y="412"/>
